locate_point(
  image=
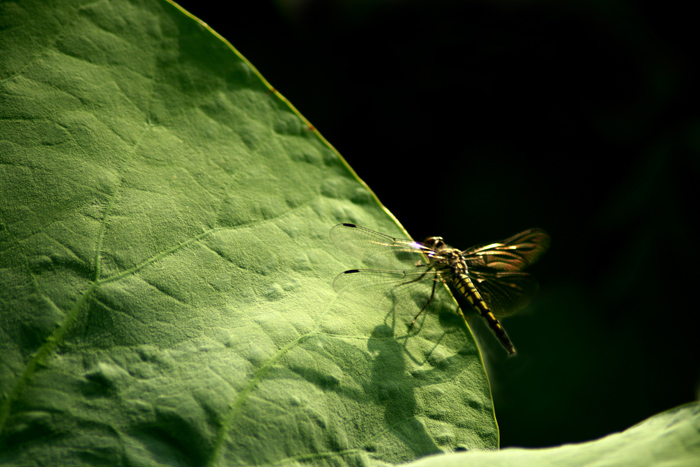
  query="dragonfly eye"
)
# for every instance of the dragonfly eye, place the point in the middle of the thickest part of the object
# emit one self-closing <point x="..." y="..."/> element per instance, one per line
<point x="434" y="242"/>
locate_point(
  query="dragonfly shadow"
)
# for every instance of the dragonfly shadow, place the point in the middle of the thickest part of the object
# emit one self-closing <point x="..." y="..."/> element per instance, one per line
<point x="373" y="378"/>
<point x="394" y="381"/>
<point x="450" y="320"/>
<point x="382" y="376"/>
<point x="392" y="387"/>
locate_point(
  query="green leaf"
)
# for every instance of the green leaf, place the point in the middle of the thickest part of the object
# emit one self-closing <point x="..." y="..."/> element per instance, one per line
<point x="165" y="266"/>
<point x="671" y="438"/>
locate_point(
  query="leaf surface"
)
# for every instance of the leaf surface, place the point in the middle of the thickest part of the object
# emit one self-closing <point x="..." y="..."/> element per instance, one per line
<point x="165" y="266"/>
<point x="671" y="438"/>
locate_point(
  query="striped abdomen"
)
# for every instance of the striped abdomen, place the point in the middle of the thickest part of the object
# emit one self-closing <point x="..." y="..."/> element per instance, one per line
<point x="464" y="285"/>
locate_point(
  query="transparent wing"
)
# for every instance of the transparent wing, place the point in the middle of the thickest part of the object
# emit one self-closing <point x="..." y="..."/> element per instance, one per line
<point x="374" y="247"/>
<point x="513" y="254"/>
<point x="385" y="289"/>
<point x="505" y="292"/>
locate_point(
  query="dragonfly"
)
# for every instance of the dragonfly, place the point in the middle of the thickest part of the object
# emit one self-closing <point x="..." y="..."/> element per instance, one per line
<point x="489" y="277"/>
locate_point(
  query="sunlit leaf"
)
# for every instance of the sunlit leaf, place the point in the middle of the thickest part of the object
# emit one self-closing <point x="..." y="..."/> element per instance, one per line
<point x="166" y="271"/>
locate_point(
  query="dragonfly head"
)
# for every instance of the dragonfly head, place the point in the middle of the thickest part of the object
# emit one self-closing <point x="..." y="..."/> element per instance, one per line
<point x="434" y="243"/>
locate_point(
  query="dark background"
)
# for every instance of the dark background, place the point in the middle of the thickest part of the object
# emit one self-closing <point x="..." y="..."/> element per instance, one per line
<point x="477" y="119"/>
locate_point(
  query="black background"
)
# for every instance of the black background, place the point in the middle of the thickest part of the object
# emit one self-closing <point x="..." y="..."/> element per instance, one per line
<point x="477" y="119"/>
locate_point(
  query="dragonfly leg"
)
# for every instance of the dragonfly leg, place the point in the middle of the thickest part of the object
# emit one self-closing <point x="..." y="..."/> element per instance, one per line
<point x="432" y="295"/>
<point x="419" y="278"/>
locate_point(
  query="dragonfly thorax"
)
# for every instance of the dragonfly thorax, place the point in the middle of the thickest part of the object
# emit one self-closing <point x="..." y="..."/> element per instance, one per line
<point x="443" y="256"/>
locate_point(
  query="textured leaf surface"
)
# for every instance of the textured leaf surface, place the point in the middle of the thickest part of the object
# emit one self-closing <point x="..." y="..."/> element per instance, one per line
<point x="670" y="438"/>
<point x="165" y="267"/>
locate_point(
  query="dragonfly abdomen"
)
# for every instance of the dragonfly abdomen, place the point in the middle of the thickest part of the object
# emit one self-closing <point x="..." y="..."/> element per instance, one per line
<point x="464" y="286"/>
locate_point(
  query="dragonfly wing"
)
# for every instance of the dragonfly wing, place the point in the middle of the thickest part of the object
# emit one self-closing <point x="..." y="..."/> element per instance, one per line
<point x="513" y="254"/>
<point x="375" y="247"/>
<point x="384" y="289"/>
<point x="505" y="292"/>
